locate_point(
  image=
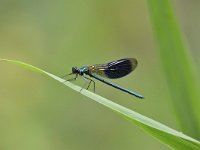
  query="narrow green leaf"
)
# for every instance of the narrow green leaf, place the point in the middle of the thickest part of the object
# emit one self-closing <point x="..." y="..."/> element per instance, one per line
<point x="165" y="134"/>
<point x="178" y="66"/>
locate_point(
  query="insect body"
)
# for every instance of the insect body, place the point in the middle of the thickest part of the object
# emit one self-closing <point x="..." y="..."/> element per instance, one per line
<point x="113" y="70"/>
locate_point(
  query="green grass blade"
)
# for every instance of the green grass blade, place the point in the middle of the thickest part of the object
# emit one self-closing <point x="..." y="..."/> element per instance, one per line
<point x="178" y="66"/>
<point x="163" y="133"/>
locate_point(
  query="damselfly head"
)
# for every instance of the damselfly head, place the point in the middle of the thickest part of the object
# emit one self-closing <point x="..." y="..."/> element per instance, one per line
<point x="75" y="70"/>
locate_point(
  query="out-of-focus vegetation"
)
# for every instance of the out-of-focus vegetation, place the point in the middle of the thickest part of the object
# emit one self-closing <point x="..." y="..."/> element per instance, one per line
<point x="67" y="33"/>
<point x="178" y="66"/>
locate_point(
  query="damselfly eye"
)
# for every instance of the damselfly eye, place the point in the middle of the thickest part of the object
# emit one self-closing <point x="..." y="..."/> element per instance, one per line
<point x="74" y="69"/>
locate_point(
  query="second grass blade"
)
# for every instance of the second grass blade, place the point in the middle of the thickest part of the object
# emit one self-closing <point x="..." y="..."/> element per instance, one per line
<point x="178" y="66"/>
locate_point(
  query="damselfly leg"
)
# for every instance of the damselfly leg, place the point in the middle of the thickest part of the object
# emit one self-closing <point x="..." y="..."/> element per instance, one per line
<point x="72" y="79"/>
<point x="90" y="81"/>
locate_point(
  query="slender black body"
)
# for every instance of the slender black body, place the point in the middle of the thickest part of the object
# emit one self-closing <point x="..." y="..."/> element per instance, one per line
<point x="113" y="70"/>
<point x="117" y="87"/>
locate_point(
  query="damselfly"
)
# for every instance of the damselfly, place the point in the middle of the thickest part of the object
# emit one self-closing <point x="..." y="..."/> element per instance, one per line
<point x="113" y="70"/>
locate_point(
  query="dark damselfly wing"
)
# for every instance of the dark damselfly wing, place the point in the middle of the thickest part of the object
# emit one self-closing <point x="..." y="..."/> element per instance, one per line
<point x="116" y="69"/>
<point x="120" y="68"/>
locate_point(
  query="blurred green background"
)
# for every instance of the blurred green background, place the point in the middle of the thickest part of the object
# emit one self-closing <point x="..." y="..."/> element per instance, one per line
<point x="39" y="113"/>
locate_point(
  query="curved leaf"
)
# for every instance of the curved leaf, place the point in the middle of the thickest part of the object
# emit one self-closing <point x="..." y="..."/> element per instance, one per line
<point x="163" y="133"/>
